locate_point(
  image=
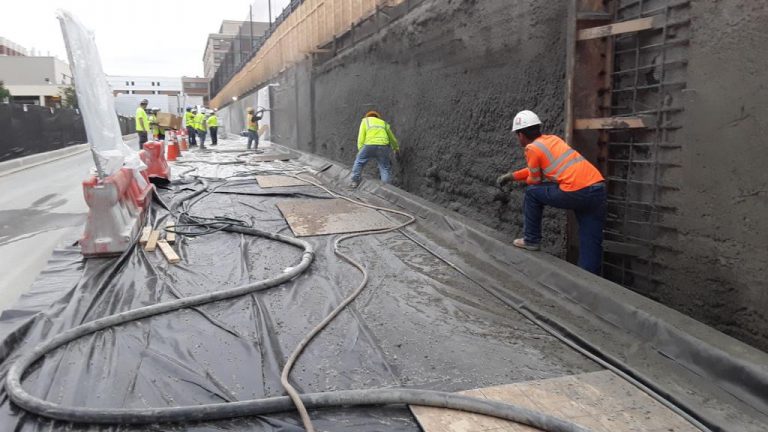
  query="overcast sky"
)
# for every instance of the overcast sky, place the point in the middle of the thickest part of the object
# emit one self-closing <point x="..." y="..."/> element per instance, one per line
<point x="162" y="37"/>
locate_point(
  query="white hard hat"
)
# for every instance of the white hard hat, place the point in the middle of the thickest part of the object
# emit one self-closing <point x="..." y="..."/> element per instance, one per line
<point x="524" y="119"/>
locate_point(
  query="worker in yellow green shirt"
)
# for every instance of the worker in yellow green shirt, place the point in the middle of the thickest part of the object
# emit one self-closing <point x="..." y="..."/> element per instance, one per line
<point x="376" y="141"/>
<point x="213" y="126"/>
<point x="200" y="127"/>
<point x="189" y="122"/>
<point x="142" y="122"/>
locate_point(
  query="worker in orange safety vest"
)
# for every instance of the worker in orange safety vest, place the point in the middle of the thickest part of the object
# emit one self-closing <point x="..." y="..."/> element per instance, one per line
<point x="557" y="175"/>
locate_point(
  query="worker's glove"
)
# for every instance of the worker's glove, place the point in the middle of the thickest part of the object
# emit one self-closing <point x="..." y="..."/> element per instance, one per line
<point x="504" y="179"/>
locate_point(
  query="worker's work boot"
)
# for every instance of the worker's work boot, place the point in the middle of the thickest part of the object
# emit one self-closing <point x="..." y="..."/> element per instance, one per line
<point x="354" y="185"/>
<point x="523" y="245"/>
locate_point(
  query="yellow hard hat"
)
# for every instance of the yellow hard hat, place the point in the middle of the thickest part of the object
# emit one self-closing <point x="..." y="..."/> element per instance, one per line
<point x="373" y="114"/>
<point x="250" y="109"/>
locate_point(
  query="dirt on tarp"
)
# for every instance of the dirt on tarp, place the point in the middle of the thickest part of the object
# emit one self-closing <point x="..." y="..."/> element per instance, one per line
<point x="418" y="324"/>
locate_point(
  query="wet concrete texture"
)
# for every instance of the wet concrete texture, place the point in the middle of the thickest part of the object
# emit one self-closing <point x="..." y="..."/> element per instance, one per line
<point x="450" y="76"/>
<point x="722" y="275"/>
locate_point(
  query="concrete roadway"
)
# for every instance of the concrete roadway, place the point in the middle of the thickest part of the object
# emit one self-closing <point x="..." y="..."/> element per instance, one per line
<point x="40" y="207"/>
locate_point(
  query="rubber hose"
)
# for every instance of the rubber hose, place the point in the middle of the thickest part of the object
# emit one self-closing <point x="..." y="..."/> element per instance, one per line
<point x="44" y="408"/>
<point x="274" y="405"/>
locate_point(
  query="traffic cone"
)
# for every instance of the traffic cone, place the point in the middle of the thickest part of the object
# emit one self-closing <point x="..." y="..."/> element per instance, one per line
<point x="173" y="150"/>
<point x="183" y="146"/>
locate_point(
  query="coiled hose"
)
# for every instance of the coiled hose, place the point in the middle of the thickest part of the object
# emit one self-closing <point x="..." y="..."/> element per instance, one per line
<point x="36" y="405"/>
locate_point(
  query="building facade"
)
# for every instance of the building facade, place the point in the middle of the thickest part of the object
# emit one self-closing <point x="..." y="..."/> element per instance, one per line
<point x="9" y="48"/>
<point x="196" y="86"/>
<point x="35" y="80"/>
<point x="217" y="46"/>
<point x="144" y="85"/>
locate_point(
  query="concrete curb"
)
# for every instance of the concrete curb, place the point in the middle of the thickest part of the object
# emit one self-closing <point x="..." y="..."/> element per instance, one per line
<point x="22" y="163"/>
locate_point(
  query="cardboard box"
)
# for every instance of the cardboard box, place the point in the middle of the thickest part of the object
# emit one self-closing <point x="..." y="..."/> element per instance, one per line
<point x="168" y="120"/>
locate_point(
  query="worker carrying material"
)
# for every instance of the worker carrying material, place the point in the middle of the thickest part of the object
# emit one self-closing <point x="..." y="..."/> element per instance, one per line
<point x="189" y="122"/>
<point x="142" y="122"/>
<point x="375" y="140"/>
<point x="213" y="127"/>
<point x="157" y="131"/>
<point x="200" y="127"/>
<point x="558" y="176"/>
<point x="252" y="120"/>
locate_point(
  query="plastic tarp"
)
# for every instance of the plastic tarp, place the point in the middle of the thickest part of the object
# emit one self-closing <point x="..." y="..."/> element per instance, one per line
<point x="95" y="97"/>
<point x="418" y="324"/>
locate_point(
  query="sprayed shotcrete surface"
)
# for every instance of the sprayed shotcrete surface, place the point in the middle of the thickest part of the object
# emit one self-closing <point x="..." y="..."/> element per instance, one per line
<point x="450" y="76"/>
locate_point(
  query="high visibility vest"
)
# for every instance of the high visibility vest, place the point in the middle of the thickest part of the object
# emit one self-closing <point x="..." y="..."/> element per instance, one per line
<point x="199" y="121"/>
<point x="375" y="131"/>
<point x="189" y="119"/>
<point x="155" y="129"/>
<point x="551" y="159"/>
<point x="142" y="121"/>
<point x="213" y="121"/>
<point x="253" y="124"/>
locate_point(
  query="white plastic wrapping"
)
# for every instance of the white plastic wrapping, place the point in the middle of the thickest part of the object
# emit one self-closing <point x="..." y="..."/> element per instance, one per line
<point x="95" y="98"/>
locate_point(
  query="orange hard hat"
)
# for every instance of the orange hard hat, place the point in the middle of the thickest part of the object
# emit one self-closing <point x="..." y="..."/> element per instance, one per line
<point x="373" y="114"/>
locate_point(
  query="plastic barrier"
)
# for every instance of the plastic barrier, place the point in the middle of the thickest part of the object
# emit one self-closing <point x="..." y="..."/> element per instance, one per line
<point x="116" y="210"/>
<point x="154" y="158"/>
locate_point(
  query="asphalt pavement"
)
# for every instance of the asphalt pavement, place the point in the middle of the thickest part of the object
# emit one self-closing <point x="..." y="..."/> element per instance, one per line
<point x="40" y="208"/>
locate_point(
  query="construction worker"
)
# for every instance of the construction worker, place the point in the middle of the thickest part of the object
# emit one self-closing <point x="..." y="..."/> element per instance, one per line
<point x="252" y="118"/>
<point x="200" y="127"/>
<point x="159" y="132"/>
<point x="213" y="127"/>
<point x="142" y="122"/>
<point x="375" y="140"/>
<point x="152" y="117"/>
<point x="189" y="122"/>
<point x="558" y="176"/>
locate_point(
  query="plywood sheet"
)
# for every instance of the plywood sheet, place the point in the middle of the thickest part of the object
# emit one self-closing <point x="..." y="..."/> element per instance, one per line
<point x="272" y="181"/>
<point x="599" y="401"/>
<point x="271" y="157"/>
<point x="333" y="216"/>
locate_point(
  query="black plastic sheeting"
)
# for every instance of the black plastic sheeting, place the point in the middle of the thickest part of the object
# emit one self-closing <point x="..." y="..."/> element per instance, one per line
<point x="31" y="129"/>
<point x="418" y="324"/>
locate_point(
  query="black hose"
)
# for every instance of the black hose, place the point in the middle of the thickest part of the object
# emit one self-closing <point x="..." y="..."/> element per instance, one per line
<point x="36" y="405"/>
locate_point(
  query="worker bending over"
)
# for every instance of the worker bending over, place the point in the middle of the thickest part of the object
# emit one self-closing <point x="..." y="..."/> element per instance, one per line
<point x="213" y="127"/>
<point x="200" y="127"/>
<point x="558" y="176"/>
<point x="252" y="118"/>
<point x="375" y="140"/>
<point x="189" y="122"/>
<point x="142" y="122"/>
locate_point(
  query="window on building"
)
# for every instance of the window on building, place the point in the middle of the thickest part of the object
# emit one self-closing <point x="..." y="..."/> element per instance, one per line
<point x="153" y="83"/>
<point x="133" y="83"/>
<point x="126" y="83"/>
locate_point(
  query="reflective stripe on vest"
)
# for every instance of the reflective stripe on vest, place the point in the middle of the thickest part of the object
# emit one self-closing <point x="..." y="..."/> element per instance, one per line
<point x="552" y="171"/>
<point x="376" y="134"/>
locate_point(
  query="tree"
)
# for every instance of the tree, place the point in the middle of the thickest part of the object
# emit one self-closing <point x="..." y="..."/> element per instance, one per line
<point x="69" y="97"/>
<point x="5" y="94"/>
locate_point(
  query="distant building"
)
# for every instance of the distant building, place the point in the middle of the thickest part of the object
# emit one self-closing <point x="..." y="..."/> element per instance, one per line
<point x="162" y="92"/>
<point x="196" y="86"/>
<point x="218" y="45"/>
<point x="145" y="85"/>
<point x="35" y="80"/>
<point x="9" y="48"/>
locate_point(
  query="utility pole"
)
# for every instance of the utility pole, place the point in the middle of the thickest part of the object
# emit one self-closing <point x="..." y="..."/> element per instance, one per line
<point x="269" y="3"/>
<point x="250" y="25"/>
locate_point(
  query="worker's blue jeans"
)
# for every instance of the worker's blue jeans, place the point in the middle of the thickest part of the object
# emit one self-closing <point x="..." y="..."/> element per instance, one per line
<point x="201" y="137"/>
<point x="191" y="135"/>
<point x="379" y="153"/>
<point x="589" y="206"/>
<point x="253" y="138"/>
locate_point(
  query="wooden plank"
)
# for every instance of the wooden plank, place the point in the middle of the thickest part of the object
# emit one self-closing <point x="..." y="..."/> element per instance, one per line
<point x="611" y="123"/>
<point x="630" y="26"/>
<point x="145" y="235"/>
<point x="152" y="241"/>
<point x="598" y="401"/>
<point x="170" y="237"/>
<point x="168" y="252"/>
